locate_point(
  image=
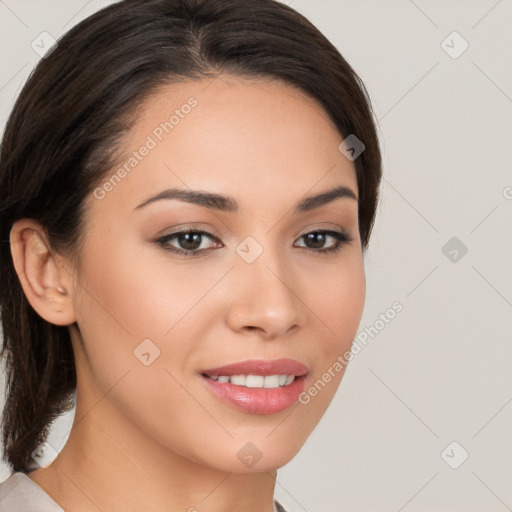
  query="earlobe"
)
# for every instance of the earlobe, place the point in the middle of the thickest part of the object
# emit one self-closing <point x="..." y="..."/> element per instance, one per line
<point x="41" y="273"/>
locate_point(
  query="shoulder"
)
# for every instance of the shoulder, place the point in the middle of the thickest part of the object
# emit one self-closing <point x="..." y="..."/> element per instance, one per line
<point x="19" y="493"/>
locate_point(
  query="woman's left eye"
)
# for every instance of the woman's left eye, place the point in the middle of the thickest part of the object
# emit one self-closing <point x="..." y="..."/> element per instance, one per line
<point x="191" y="241"/>
<point x="318" y="238"/>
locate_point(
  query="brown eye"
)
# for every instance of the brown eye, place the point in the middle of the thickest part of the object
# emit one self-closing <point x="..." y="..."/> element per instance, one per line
<point x="188" y="241"/>
<point x="315" y="240"/>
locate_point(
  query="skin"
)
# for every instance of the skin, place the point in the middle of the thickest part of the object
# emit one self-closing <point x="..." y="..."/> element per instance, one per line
<point x="153" y="437"/>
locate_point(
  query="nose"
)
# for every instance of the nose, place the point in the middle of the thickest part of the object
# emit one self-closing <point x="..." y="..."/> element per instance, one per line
<point x="264" y="298"/>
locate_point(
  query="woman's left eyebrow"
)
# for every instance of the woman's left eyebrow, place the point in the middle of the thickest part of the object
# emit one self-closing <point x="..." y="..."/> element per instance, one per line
<point x="228" y="204"/>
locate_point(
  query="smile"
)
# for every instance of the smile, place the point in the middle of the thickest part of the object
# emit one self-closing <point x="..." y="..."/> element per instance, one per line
<point x="255" y="381"/>
<point x="257" y="386"/>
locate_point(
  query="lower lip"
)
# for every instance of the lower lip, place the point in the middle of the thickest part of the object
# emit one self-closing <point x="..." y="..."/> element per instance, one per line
<point x="257" y="400"/>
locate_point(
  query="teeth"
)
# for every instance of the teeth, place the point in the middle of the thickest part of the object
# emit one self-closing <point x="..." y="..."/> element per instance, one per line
<point x="251" y="381"/>
<point x="289" y="379"/>
<point x="239" y="380"/>
<point x="271" y="381"/>
<point x="256" y="381"/>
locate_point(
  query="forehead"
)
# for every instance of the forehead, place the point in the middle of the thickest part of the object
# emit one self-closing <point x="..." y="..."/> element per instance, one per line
<point x="253" y="139"/>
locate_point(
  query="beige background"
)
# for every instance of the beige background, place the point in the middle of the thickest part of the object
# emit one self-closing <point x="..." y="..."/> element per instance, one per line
<point x="441" y="370"/>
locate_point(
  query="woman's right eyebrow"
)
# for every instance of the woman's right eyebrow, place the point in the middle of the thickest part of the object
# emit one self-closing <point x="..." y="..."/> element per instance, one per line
<point x="229" y="204"/>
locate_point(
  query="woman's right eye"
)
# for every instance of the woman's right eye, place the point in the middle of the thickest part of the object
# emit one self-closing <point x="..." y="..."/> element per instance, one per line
<point x="189" y="240"/>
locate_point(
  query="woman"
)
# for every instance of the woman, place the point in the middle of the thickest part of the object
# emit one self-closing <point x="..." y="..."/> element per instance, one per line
<point x="187" y="191"/>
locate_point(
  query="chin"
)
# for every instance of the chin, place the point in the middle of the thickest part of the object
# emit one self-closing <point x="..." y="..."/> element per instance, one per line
<point x="253" y="454"/>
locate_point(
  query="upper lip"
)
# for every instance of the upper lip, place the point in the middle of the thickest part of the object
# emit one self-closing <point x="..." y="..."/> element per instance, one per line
<point x="260" y="367"/>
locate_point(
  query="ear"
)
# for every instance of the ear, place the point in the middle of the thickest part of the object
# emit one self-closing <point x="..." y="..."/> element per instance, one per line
<point x="47" y="284"/>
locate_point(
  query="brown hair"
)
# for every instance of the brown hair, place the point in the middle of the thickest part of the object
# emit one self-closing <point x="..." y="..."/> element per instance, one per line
<point x="60" y="139"/>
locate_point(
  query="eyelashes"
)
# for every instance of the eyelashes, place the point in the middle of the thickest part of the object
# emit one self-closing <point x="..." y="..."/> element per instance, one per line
<point x="189" y="236"/>
<point x="194" y="238"/>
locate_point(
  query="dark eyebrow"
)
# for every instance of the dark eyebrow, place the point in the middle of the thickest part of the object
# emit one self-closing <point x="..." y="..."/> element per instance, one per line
<point x="312" y="202"/>
<point x="228" y="204"/>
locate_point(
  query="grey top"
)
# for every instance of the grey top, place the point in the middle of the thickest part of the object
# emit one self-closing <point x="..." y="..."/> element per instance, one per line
<point x="19" y="493"/>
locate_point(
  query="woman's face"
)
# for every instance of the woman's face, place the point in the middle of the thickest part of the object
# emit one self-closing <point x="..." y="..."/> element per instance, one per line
<point x="154" y="320"/>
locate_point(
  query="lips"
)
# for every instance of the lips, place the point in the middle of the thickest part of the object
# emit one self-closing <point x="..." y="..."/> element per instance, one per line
<point x="257" y="386"/>
<point x="260" y="367"/>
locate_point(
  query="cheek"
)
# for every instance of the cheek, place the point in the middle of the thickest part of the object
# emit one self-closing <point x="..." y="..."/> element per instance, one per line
<point x="118" y="305"/>
<point x="131" y="291"/>
<point x="338" y="306"/>
<point x="127" y="304"/>
<point x="131" y="294"/>
<point x="338" y="300"/>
